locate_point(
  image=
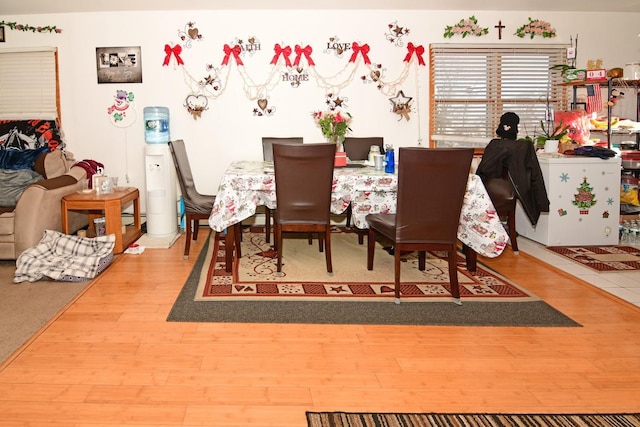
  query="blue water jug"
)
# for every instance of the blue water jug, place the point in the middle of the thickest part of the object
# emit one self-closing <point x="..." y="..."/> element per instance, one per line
<point x="390" y="166"/>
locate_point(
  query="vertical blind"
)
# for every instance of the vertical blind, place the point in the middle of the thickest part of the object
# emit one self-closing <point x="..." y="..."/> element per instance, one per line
<point x="28" y="83"/>
<point x="473" y="85"/>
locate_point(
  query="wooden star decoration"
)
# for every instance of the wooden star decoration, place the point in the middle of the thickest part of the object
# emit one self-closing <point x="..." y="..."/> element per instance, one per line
<point x="401" y="105"/>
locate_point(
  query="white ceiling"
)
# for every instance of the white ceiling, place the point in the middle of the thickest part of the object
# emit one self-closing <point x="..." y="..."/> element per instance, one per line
<point x="21" y="7"/>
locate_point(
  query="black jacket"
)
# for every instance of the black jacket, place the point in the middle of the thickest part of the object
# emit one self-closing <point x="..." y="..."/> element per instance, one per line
<point x="519" y="157"/>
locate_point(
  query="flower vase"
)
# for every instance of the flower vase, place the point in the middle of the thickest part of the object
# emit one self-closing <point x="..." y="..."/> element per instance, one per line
<point x="341" y="156"/>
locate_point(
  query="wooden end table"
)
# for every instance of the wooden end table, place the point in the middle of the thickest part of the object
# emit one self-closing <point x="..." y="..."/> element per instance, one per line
<point x="109" y="206"/>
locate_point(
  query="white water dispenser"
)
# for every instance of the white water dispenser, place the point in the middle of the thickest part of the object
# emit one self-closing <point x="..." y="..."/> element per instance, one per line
<point x="161" y="207"/>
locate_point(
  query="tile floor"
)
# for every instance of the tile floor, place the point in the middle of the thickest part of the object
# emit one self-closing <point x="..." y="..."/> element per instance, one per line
<point x="623" y="285"/>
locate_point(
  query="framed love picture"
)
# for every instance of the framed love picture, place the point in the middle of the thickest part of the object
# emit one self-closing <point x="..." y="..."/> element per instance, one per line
<point x="119" y="64"/>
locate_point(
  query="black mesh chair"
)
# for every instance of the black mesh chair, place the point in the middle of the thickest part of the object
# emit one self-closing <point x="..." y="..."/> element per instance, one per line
<point x="304" y="205"/>
<point x="267" y="156"/>
<point x="196" y="206"/>
<point x="431" y="187"/>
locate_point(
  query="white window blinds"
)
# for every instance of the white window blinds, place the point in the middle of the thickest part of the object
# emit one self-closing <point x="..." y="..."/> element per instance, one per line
<point x="28" y="83"/>
<point x="473" y="85"/>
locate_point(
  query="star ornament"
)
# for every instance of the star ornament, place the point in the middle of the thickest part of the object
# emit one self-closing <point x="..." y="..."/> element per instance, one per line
<point x="401" y="105"/>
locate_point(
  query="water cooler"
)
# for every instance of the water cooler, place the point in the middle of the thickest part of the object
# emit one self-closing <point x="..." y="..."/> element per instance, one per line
<point x="162" y="215"/>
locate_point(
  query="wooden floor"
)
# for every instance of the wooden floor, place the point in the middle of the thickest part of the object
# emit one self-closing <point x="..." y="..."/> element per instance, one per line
<point x="111" y="359"/>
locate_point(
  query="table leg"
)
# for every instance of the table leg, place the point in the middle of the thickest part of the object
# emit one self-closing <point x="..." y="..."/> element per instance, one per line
<point x="113" y="222"/>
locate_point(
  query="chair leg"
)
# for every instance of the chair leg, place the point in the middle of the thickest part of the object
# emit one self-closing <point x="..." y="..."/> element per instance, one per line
<point x="238" y="238"/>
<point x="396" y="268"/>
<point x="267" y="224"/>
<point x="422" y="260"/>
<point x="453" y="275"/>
<point x="327" y="254"/>
<point x="187" y="244"/>
<point x="277" y="238"/>
<point x="371" y="244"/>
<point x="348" y="212"/>
<point x="511" y="223"/>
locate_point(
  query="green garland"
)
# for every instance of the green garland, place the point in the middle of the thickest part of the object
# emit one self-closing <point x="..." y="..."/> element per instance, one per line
<point x="26" y="27"/>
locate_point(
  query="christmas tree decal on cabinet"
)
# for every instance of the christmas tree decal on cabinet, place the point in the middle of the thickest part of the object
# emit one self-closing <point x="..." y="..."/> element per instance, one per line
<point x="585" y="198"/>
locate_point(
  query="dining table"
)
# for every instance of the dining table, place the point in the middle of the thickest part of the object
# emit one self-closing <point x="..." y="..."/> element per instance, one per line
<point x="248" y="184"/>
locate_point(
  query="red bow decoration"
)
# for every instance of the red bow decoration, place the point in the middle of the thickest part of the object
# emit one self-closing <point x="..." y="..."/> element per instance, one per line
<point x="306" y="52"/>
<point x="419" y="50"/>
<point x="285" y="52"/>
<point x="236" y="54"/>
<point x="176" y="50"/>
<point x="364" y="50"/>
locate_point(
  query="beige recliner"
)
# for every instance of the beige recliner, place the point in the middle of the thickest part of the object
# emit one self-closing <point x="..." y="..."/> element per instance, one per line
<point x="38" y="208"/>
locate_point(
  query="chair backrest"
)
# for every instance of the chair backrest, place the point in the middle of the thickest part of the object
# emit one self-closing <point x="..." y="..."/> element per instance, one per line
<point x="304" y="179"/>
<point x="431" y="187"/>
<point x="358" y="148"/>
<point x="193" y="200"/>
<point x="267" y="145"/>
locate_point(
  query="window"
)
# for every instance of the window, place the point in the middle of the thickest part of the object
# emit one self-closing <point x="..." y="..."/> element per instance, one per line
<point x="28" y="83"/>
<point x="473" y="85"/>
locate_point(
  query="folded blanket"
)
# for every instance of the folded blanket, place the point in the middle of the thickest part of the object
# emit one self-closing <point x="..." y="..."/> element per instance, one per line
<point x="59" y="256"/>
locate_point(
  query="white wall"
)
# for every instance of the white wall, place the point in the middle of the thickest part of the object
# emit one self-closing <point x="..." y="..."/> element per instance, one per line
<point x="228" y="130"/>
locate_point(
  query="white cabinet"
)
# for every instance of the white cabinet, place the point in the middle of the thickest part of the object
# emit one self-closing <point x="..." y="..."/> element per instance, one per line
<point x="584" y="193"/>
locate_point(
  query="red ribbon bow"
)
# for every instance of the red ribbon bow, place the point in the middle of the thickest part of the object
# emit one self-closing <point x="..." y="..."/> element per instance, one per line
<point x="306" y="52"/>
<point x="175" y="51"/>
<point x="364" y="50"/>
<point x="419" y="50"/>
<point x="285" y="52"/>
<point x="228" y="51"/>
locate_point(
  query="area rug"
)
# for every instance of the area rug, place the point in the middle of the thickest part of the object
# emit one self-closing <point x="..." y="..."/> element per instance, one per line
<point x="355" y="419"/>
<point x="304" y="274"/>
<point x="602" y="258"/>
<point x="522" y="310"/>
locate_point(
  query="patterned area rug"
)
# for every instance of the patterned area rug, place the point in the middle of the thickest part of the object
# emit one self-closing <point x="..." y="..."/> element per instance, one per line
<point x="345" y="419"/>
<point x="602" y="258"/>
<point x="305" y="276"/>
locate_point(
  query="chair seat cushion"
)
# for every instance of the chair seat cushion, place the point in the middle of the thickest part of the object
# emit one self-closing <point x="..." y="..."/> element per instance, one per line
<point x="384" y="223"/>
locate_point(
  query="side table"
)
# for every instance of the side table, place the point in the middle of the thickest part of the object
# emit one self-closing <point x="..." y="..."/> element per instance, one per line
<point x="110" y="206"/>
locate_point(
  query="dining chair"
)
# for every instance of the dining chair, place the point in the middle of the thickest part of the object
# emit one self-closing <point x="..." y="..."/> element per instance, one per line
<point x="267" y="156"/>
<point x="431" y="188"/>
<point x="304" y="181"/>
<point x="197" y="206"/>
<point x="357" y="148"/>
<point x="503" y="196"/>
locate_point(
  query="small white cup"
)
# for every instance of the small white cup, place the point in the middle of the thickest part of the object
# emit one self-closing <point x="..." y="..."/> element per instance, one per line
<point x="378" y="162"/>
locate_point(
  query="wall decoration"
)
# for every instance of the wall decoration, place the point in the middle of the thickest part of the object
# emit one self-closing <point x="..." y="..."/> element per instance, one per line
<point x="263" y="108"/>
<point x="26" y="27"/>
<point x="1" y="34"/>
<point x="535" y="27"/>
<point x="334" y="46"/>
<point x="189" y="34"/>
<point x="196" y="104"/>
<point x="119" y="64"/>
<point x="250" y="46"/>
<point x="174" y="52"/>
<point x="121" y="112"/>
<point x="334" y="102"/>
<point x="500" y="27"/>
<point x="375" y="74"/>
<point x="395" y="33"/>
<point x="401" y="105"/>
<point x="465" y="27"/>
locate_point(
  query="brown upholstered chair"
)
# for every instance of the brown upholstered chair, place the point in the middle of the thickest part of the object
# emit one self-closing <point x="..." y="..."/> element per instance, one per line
<point x="304" y="204"/>
<point x="267" y="156"/>
<point x="358" y="149"/>
<point x="196" y="206"/>
<point x="431" y="187"/>
<point x="503" y="196"/>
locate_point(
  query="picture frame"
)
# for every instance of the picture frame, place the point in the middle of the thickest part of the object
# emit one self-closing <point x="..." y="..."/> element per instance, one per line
<point x="119" y="64"/>
<point x="582" y="106"/>
<point x="2" y="34"/>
